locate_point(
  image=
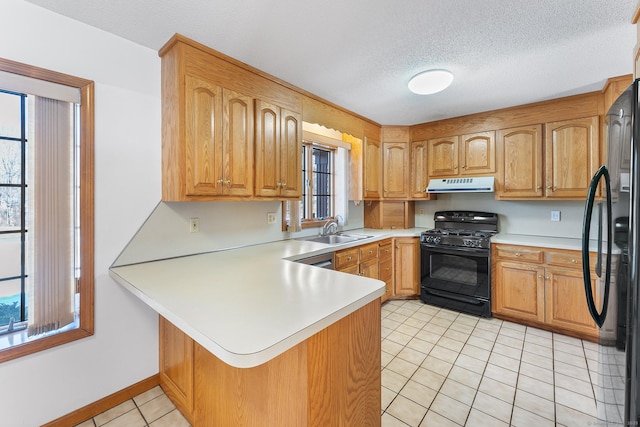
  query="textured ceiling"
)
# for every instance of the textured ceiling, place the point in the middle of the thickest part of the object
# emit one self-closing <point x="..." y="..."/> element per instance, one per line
<point x="360" y="54"/>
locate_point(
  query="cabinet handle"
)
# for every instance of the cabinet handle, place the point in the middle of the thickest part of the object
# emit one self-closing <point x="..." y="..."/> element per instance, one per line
<point x="228" y="182"/>
<point x="547" y="277"/>
<point x="464" y="166"/>
<point x="517" y="253"/>
<point x="573" y="261"/>
<point x="370" y="252"/>
<point x="538" y="187"/>
<point x="387" y="269"/>
<point x="549" y="187"/>
<point x="284" y="184"/>
<point x="220" y="181"/>
<point x="349" y="258"/>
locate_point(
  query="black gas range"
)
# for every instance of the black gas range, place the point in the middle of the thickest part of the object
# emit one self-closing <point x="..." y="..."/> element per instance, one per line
<point x="455" y="261"/>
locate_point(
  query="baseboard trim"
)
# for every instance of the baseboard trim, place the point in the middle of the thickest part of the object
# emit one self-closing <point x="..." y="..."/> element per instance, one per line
<point x="91" y="410"/>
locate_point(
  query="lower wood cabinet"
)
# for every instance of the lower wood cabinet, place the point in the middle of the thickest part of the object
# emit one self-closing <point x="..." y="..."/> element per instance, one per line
<point x="331" y="379"/>
<point x="360" y="260"/>
<point x="407" y="266"/>
<point x="385" y="267"/>
<point x="542" y="287"/>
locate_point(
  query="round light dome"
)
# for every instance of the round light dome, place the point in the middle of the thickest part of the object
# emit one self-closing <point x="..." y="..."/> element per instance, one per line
<point x="430" y="81"/>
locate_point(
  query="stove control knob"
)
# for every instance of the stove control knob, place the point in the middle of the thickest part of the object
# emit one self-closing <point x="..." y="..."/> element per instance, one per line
<point x="436" y="239"/>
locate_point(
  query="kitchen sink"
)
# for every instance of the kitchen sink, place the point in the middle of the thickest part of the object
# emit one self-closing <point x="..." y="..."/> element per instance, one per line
<point x="335" y="239"/>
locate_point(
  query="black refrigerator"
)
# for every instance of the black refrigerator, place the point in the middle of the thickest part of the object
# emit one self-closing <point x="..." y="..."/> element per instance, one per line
<point x="616" y="386"/>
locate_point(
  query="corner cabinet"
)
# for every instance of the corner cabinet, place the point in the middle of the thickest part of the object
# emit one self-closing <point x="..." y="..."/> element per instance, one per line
<point x="396" y="161"/>
<point x="278" y="151"/>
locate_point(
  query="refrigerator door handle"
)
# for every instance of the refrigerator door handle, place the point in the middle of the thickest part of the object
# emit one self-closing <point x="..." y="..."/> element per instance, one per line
<point x="598" y="317"/>
<point x="599" y="261"/>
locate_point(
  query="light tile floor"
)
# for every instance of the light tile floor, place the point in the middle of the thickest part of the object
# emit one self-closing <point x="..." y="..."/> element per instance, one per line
<point x="442" y="368"/>
<point x="149" y="409"/>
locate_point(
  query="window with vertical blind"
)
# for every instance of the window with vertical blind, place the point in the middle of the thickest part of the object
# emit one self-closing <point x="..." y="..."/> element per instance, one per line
<point x="46" y="209"/>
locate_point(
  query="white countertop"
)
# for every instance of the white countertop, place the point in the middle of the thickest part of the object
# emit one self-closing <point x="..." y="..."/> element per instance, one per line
<point x="549" y="242"/>
<point x="248" y="305"/>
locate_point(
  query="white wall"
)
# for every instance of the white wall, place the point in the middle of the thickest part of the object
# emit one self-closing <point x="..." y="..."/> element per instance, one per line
<point x="43" y="386"/>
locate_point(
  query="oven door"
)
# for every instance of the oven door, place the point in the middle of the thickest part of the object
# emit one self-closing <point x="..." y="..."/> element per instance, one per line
<point x="456" y="278"/>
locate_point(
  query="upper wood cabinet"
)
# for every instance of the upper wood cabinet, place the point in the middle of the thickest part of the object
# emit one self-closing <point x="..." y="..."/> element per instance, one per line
<point x="396" y="167"/>
<point x="520" y="162"/>
<point x="278" y="151"/>
<point x="210" y="123"/>
<point x="572" y="157"/>
<point x="558" y="167"/>
<point x="372" y="169"/>
<point x="419" y="171"/>
<point x="472" y="154"/>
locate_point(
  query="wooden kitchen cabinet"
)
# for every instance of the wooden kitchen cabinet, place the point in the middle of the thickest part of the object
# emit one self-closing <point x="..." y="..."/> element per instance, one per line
<point x="278" y="166"/>
<point x="395" y="166"/>
<point x="419" y="172"/>
<point x="542" y="287"/>
<point x="385" y="267"/>
<point x="472" y="154"/>
<point x="372" y="169"/>
<point x="407" y="266"/>
<point x="572" y="157"/>
<point x="360" y="260"/>
<point x="519" y="162"/>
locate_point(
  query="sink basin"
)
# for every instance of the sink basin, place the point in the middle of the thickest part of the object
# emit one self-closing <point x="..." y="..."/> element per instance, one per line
<point x="335" y="239"/>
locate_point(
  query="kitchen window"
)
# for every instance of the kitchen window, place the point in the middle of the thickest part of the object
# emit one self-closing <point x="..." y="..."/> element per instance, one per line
<point x="317" y="183"/>
<point x="46" y="209"/>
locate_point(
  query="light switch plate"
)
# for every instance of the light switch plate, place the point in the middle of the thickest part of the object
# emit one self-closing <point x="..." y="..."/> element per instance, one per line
<point x="555" y="216"/>
<point x="271" y="217"/>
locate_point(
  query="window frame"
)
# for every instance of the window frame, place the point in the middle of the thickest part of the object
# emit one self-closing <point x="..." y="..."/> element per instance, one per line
<point x="85" y="284"/>
<point x="309" y="222"/>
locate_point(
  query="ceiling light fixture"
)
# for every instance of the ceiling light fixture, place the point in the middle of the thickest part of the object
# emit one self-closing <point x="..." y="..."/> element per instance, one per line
<point x="430" y="81"/>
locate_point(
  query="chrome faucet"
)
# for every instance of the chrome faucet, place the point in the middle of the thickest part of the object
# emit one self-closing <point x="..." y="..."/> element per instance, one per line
<point x="330" y="227"/>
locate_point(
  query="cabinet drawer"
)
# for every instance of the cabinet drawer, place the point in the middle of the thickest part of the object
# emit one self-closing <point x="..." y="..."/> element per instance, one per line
<point x="351" y="269"/>
<point x="569" y="259"/>
<point x="386" y="270"/>
<point x="368" y="252"/>
<point x="385" y="250"/>
<point x="346" y="258"/>
<point x="520" y="253"/>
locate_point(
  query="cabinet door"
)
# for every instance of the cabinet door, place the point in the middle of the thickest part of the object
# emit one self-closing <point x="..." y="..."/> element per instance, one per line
<point x="478" y="153"/>
<point x="572" y="157"/>
<point x="203" y="162"/>
<point x="396" y="169"/>
<point x="518" y="291"/>
<point x="237" y="143"/>
<point x="520" y="162"/>
<point x="176" y="366"/>
<point x="443" y="156"/>
<point x="407" y="266"/>
<point x="291" y="154"/>
<point x="419" y="171"/>
<point x="372" y="169"/>
<point x="369" y="268"/>
<point x="267" y="170"/>
<point x="566" y="306"/>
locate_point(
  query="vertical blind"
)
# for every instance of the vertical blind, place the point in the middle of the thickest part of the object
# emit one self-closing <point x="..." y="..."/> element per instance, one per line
<point x="51" y="284"/>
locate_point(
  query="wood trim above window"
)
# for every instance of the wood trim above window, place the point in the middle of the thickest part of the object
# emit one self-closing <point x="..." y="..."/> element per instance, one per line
<point x="86" y="281"/>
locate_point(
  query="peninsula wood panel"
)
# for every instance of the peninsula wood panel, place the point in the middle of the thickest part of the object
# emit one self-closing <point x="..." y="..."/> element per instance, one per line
<point x="519" y="162"/>
<point x="176" y="367"/>
<point x="331" y="379"/>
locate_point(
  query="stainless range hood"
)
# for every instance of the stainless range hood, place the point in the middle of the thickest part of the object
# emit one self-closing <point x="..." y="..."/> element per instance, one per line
<point x="481" y="184"/>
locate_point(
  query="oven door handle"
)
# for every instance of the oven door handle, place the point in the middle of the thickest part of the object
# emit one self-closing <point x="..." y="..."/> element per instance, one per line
<point x="461" y="298"/>
<point x="457" y="250"/>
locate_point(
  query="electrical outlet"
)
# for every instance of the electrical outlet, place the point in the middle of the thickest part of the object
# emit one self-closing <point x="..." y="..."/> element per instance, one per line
<point x="271" y="217"/>
<point x="420" y="211"/>
<point x="194" y="225"/>
<point x="555" y="216"/>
